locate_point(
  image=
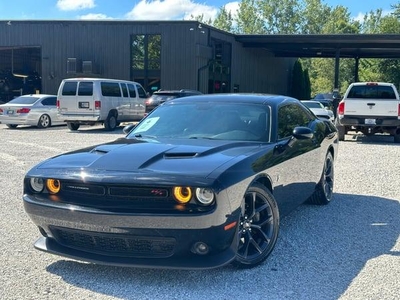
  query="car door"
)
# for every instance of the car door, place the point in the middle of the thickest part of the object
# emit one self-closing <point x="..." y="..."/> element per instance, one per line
<point x="300" y="165"/>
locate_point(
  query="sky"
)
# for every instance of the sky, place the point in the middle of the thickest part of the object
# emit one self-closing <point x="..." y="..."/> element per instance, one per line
<point x="148" y="9"/>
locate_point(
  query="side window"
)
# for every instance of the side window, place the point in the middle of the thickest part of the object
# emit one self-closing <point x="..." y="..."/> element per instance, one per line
<point x="110" y="89"/>
<point x="289" y="117"/>
<point x="69" y="88"/>
<point x="124" y="90"/>
<point x="85" y="88"/>
<point x="50" y="101"/>
<point x="141" y="92"/>
<point x="132" y="91"/>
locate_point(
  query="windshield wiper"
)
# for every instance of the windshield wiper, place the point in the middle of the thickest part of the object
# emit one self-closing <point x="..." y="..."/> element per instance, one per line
<point x="138" y="135"/>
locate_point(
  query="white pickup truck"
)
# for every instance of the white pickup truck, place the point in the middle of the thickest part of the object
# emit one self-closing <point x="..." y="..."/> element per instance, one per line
<point x="370" y="108"/>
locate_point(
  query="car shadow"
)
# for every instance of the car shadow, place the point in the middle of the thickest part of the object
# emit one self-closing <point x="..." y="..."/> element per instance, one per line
<point x="373" y="139"/>
<point x="320" y="251"/>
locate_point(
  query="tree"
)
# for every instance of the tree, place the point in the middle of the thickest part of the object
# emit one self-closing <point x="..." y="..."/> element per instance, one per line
<point x="224" y="20"/>
<point x="281" y="17"/>
<point x="248" y="19"/>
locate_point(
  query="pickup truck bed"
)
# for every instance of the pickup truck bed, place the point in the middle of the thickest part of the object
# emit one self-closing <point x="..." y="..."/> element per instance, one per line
<point x="370" y="108"/>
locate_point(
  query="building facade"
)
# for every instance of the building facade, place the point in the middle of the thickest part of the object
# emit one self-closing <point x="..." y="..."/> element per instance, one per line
<point x="36" y="55"/>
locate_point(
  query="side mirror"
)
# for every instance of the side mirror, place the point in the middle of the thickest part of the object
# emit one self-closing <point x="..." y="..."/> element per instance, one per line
<point x="128" y="128"/>
<point x="302" y="133"/>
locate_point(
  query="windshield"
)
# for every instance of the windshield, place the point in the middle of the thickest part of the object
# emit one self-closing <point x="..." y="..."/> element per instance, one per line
<point x="221" y="121"/>
<point x="23" y="100"/>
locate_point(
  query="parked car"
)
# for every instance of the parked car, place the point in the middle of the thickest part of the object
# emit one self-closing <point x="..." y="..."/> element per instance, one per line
<point x="327" y="103"/>
<point x="36" y="110"/>
<point x="319" y="109"/>
<point x="200" y="182"/>
<point x="90" y="101"/>
<point x="161" y="96"/>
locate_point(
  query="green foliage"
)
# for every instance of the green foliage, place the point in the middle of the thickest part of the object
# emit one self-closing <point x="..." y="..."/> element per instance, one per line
<point x="224" y="20"/>
<point x="300" y="85"/>
<point x="248" y="20"/>
<point x="316" y="17"/>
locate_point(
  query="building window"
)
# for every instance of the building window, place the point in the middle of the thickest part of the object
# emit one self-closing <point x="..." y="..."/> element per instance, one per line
<point x="146" y="52"/>
<point x="146" y="60"/>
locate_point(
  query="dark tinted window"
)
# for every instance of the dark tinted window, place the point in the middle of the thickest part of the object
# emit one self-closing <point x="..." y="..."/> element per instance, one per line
<point x="124" y="90"/>
<point x="69" y="88"/>
<point x="289" y="117"/>
<point x="141" y="92"/>
<point x="50" y="101"/>
<point x="132" y="91"/>
<point x="110" y="89"/>
<point x="24" y="100"/>
<point x="371" y="92"/>
<point x="85" y="89"/>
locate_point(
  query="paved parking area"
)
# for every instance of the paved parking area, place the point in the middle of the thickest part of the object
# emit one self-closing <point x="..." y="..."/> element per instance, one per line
<point x="349" y="249"/>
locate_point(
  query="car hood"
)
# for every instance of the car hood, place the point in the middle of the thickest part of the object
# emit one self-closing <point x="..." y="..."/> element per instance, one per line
<point x="183" y="157"/>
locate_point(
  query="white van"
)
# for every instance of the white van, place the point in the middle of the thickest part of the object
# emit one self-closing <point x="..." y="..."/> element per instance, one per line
<point x="97" y="100"/>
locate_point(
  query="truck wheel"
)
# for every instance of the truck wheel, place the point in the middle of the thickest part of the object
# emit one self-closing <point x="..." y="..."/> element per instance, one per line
<point x="397" y="138"/>
<point x="72" y="126"/>
<point x="111" y="122"/>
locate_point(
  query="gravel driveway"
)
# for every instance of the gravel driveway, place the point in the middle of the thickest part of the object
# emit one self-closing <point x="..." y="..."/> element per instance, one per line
<point x="349" y="249"/>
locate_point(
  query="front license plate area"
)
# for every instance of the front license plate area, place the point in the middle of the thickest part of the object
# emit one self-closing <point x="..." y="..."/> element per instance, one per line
<point x="83" y="104"/>
<point x="370" y="121"/>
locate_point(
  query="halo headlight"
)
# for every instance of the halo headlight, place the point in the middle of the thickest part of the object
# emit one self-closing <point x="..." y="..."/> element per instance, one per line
<point x="53" y="186"/>
<point x="205" y="196"/>
<point x="37" y="184"/>
<point x="182" y="194"/>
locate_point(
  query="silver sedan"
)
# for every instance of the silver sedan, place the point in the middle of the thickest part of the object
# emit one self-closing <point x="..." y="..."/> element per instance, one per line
<point x="36" y="110"/>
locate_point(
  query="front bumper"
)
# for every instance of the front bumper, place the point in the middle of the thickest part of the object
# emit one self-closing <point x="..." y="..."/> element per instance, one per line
<point x="135" y="240"/>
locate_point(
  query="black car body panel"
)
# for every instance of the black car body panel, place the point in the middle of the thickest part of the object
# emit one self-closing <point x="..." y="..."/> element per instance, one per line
<point x="117" y="204"/>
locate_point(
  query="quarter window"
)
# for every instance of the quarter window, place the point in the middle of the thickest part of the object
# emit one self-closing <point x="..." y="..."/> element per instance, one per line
<point x="289" y="117"/>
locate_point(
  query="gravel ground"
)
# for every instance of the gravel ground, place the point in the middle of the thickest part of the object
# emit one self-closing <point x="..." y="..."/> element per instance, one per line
<point x="349" y="249"/>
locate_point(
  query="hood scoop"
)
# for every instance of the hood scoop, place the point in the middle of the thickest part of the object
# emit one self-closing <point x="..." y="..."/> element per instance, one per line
<point x="177" y="155"/>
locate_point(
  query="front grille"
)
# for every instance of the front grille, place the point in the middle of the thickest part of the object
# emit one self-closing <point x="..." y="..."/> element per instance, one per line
<point x="115" y="244"/>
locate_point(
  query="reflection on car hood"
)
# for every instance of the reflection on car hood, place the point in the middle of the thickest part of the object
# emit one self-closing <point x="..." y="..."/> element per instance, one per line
<point x="194" y="157"/>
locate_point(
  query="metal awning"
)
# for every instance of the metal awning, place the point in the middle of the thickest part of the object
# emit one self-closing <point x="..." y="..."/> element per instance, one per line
<point x="326" y="45"/>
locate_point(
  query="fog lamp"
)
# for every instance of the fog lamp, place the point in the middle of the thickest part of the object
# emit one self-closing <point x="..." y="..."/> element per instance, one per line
<point x="53" y="185"/>
<point x="200" y="248"/>
<point x="182" y="194"/>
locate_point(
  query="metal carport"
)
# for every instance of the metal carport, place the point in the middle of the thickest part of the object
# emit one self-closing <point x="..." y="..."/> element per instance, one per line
<point x="328" y="46"/>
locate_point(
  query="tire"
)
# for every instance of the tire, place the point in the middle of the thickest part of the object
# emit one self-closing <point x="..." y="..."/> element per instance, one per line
<point x="73" y="126"/>
<point x="324" y="190"/>
<point x="341" y="130"/>
<point x="397" y="138"/>
<point x="44" y="121"/>
<point x="12" y="126"/>
<point x="111" y="122"/>
<point x="258" y="227"/>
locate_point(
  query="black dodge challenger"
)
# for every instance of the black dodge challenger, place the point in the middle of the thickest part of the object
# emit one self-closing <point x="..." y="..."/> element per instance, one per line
<point x="200" y="182"/>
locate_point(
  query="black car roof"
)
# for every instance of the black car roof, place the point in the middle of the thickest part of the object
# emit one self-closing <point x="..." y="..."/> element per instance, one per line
<point x="266" y="99"/>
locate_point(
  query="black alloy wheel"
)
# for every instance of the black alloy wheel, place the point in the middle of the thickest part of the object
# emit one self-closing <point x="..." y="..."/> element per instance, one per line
<point x="324" y="190"/>
<point x="258" y="227"/>
<point x="44" y="121"/>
